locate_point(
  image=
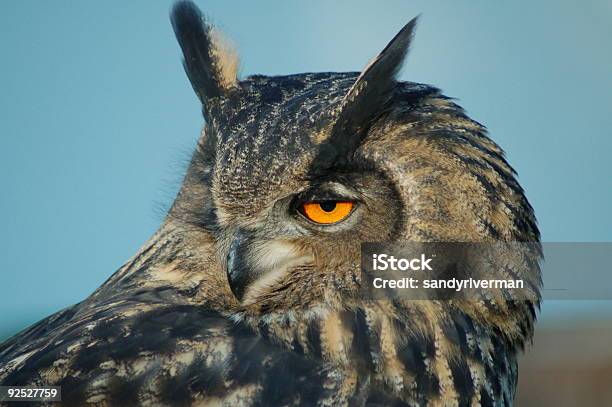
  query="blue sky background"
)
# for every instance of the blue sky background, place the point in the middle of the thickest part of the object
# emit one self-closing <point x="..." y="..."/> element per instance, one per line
<point x="97" y="118"/>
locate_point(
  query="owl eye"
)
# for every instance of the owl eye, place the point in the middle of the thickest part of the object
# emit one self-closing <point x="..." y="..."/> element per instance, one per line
<point x="327" y="212"/>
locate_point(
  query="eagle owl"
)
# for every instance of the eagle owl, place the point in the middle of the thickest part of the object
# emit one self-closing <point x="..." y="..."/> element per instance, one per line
<point x="248" y="294"/>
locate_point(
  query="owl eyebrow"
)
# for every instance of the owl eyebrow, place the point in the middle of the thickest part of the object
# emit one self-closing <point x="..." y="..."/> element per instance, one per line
<point x="329" y="191"/>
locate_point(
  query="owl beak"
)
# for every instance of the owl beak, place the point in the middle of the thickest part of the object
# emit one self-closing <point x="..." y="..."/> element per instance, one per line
<point x="239" y="274"/>
<point x="255" y="264"/>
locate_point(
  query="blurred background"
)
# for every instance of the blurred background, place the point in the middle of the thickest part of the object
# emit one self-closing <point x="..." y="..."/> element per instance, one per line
<point x="97" y="121"/>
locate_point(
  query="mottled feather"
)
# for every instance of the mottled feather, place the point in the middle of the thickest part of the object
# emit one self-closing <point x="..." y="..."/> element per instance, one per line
<point x="238" y="300"/>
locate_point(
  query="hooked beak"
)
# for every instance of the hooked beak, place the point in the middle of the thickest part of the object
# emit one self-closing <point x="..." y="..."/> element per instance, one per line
<point x="255" y="264"/>
<point x="239" y="274"/>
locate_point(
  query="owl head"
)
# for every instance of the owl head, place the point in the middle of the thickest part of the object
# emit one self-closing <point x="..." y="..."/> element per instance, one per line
<point x="292" y="173"/>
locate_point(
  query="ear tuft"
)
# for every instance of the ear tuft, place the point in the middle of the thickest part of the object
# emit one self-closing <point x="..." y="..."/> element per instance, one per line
<point x="370" y="93"/>
<point x="383" y="69"/>
<point x="210" y="62"/>
<point x="226" y="55"/>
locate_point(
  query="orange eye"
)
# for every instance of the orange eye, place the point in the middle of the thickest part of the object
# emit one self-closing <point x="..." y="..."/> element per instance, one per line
<point x="327" y="212"/>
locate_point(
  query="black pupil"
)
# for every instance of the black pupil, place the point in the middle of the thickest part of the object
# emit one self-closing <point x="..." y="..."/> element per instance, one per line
<point x="328" y="206"/>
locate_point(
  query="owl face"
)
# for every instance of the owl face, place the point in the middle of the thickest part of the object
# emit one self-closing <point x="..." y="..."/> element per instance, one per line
<point x="294" y="172"/>
<point x="285" y="205"/>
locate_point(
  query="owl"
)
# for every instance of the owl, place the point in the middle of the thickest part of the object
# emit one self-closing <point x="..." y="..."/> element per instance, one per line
<point x="249" y="294"/>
